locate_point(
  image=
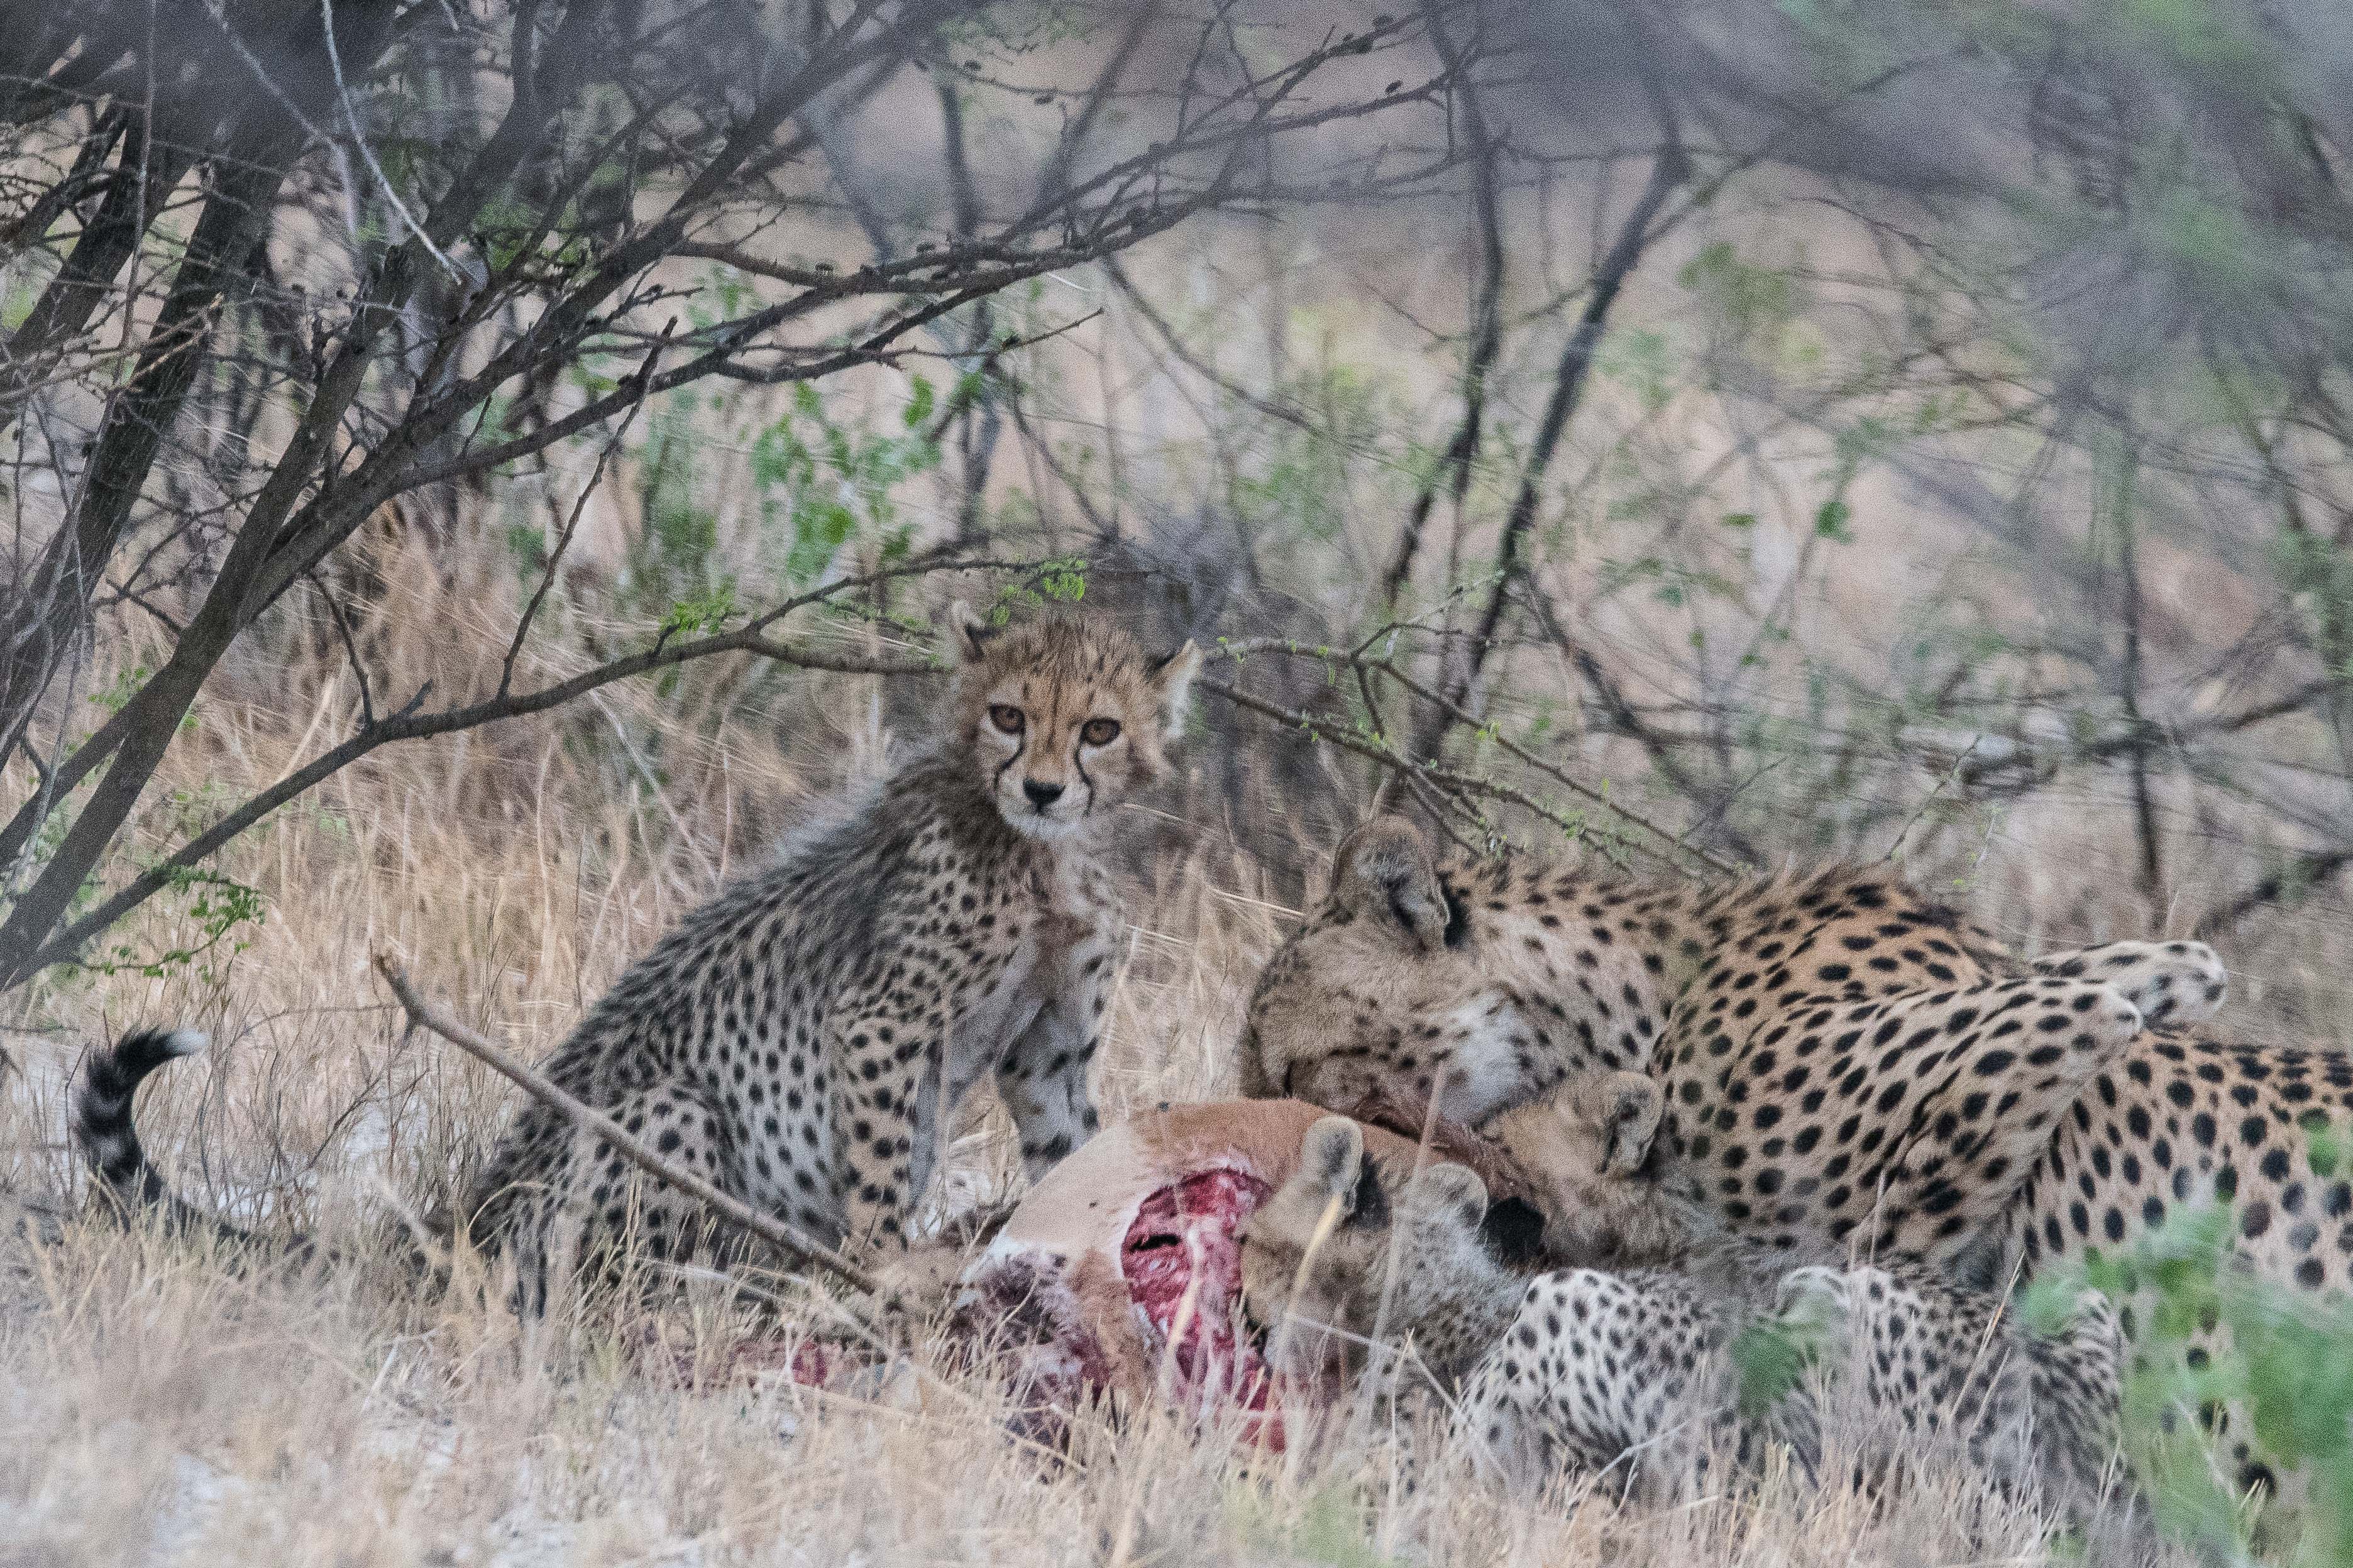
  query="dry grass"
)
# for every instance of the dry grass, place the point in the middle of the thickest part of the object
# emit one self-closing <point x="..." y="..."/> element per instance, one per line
<point x="162" y="1408"/>
<point x="156" y="1406"/>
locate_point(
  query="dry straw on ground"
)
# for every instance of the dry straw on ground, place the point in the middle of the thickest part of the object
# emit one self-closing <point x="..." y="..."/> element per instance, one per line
<point x="160" y="1406"/>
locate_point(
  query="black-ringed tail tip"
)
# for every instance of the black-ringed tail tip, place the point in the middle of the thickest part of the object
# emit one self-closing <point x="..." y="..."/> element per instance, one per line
<point x="103" y="1106"/>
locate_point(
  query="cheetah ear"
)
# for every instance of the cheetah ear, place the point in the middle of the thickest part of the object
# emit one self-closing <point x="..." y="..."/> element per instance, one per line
<point x="1627" y="1106"/>
<point x="1333" y="1155"/>
<point x="966" y="632"/>
<point x="1982" y="1263"/>
<point x="1385" y="871"/>
<point x="1814" y="1305"/>
<point x="1172" y="685"/>
<point x="1451" y="1192"/>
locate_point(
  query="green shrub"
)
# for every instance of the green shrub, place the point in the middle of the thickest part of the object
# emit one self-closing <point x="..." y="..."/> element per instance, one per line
<point x="2221" y="1356"/>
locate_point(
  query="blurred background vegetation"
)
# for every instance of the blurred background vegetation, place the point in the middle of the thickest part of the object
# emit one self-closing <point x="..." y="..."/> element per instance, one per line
<point x="471" y="470"/>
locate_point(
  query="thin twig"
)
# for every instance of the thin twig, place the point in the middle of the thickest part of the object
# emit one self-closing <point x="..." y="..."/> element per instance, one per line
<point x="1414" y="767"/>
<point x="367" y="154"/>
<point x="643" y="379"/>
<point x="1670" y="167"/>
<point x="1486" y="317"/>
<point x="2305" y="872"/>
<point x="793" y="1243"/>
<point x="1914" y="821"/>
<point x="351" y="647"/>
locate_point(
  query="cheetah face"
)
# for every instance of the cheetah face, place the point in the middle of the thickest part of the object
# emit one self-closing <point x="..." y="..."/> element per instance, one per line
<point x="1308" y="1250"/>
<point x="1591" y="1147"/>
<point x="1064" y="718"/>
<point x="1388" y="989"/>
<point x="1315" y="1257"/>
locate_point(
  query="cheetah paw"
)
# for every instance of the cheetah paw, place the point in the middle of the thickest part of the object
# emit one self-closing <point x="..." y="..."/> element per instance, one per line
<point x="915" y="1285"/>
<point x="2170" y="982"/>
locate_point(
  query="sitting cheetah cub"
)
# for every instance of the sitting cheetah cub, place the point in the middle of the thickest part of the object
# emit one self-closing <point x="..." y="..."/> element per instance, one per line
<point x="802" y="1039"/>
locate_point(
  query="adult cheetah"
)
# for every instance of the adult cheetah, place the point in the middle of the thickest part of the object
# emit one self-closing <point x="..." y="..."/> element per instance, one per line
<point x="1628" y="1365"/>
<point x="801" y="1040"/>
<point x="1815" y="1101"/>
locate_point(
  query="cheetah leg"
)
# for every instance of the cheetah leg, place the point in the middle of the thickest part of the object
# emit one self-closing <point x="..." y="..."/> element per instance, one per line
<point x="2076" y="1386"/>
<point x="588" y="1205"/>
<point x="880" y="1114"/>
<point x="2170" y="982"/>
<point x="1602" y="1375"/>
<point x="1499" y="1426"/>
<point x="1043" y="1077"/>
<point x="1995" y="1066"/>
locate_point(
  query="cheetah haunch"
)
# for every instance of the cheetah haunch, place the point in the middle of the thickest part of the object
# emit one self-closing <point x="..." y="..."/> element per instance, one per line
<point x="802" y="1039"/>
<point x="1628" y="1368"/>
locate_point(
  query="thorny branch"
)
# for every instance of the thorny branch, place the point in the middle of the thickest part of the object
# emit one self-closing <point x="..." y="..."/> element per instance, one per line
<point x="795" y="1244"/>
<point x="1418" y="766"/>
<point x="507" y="278"/>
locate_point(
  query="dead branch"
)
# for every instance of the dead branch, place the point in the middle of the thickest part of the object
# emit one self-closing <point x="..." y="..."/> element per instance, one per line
<point x="2303" y="872"/>
<point x="795" y="1244"/>
<point x="1420" y="768"/>
<point x="1486" y="315"/>
<point x="1669" y="169"/>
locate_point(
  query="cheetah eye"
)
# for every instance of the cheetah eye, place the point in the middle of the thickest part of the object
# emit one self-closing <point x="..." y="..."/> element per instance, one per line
<point x="1005" y="717"/>
<point x="1099" y="731"/>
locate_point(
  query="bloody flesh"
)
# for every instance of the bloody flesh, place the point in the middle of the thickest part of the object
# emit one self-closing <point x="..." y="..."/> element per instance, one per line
<point x="1182" y="1263"/>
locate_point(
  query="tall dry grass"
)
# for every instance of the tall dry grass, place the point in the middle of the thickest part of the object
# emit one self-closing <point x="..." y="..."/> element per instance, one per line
<point x="156" y="1406"/>
<point x="159" y="1405"/>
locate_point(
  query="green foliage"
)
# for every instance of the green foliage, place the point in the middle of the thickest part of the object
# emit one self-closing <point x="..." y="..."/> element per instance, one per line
<point x="2198" y="33"/>
<point x="16" y="302"/>
<point x="1751" y="299"/>
<point x="1061" y="581"/>
<point x="675" y="555"/>
<point x="127" y="686"/>
<point x="827" y="482"/>
<point x="819" y="485"/>
<point x="2318" y="573"/>
<point x="1643" y="360"/>
<point x="220" y="906"/>
<point x="1294" y="485"/>
<point x="1329" y="1525"/>
<point x="1847" y="53"/>
<point x="1771" y="1356"/>
<point x="704" y="614"/>
<point x="2215" y="1343"/>
<point x="509" y="229"/>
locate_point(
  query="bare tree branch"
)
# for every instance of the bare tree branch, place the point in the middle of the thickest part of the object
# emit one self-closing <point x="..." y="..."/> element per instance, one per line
<point x="797" y="1247"/>
<point x="1669" y="169"/>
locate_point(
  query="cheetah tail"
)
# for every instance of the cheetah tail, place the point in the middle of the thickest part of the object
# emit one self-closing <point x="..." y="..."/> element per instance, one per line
<point x="103" y="1129"/>
<point x="108" y="1139"/>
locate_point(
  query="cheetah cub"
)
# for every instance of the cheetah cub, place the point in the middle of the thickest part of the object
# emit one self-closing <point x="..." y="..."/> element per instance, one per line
<point x="1628" y="1367"/>
<point x="1932" y="1352"/>
<point x="802" y="1039"/>
<point x="1936" y="1356"/>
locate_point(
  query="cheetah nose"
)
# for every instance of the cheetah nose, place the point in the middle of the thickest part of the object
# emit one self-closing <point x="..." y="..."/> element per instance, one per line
<point x="1041" y="796"/>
